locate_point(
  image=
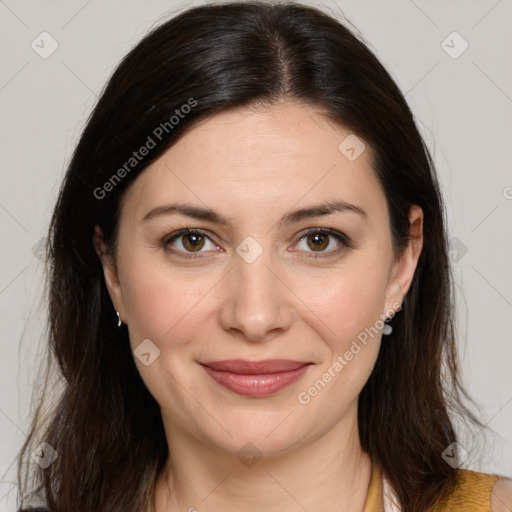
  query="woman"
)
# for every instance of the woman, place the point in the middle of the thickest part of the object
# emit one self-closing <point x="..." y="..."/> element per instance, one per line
<point x="250" y="297"/>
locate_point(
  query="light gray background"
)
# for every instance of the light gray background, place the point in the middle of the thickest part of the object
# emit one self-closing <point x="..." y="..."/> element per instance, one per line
<point x="463" y="106"/>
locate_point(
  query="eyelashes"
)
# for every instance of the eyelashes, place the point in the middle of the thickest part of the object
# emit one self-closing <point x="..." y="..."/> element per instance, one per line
<point x="194" y="240"/>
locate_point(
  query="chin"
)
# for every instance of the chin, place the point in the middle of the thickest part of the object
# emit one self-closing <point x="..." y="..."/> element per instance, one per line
<point x="263" y="433"/>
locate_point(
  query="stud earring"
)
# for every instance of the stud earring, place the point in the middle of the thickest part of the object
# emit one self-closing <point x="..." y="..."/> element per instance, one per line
<point x="118" y="319"/>
<point x="387" y="329"/>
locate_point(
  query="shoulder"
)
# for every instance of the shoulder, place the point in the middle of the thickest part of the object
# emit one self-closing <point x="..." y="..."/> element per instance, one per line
<point x="478" y="491"/>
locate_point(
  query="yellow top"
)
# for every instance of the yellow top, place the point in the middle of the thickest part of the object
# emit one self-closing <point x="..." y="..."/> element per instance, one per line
<point x="472" y="493"/>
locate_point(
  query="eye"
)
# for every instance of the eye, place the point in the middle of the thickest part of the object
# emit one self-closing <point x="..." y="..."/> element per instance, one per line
<point x="323" y="240"/>
<point x="189" y="241"/>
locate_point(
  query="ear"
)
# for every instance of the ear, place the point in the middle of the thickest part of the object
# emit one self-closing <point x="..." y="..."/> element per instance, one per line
<point x="109" y="272"/>
<point x="405" y="266"/>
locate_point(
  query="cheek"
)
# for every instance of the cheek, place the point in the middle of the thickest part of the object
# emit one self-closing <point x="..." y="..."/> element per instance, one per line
<point x="348" y="301"/>
<point x="166" y="309"/>
<point x="170" y="309"/>
<point x="162" y="304"/>
<point x="351" y="309"/>
<point x="348" y="307"/>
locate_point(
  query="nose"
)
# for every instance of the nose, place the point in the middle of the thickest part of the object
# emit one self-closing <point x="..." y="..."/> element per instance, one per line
<point x="256" y="302"/>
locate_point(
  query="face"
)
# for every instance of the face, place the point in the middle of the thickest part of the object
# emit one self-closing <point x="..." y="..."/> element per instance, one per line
<point x="267" y="272"/>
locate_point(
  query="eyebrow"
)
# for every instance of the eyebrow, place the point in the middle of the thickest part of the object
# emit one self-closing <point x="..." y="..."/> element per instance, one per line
<point x="200" y="213"/>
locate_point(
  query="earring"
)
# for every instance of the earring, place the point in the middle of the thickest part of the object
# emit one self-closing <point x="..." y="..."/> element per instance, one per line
<point x="118" y="319"/>
<point x="387" y="329"/>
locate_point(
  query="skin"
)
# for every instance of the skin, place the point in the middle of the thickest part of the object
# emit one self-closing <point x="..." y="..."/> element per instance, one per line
<point x="254" y="166"/>
<point x="501" y="496"/>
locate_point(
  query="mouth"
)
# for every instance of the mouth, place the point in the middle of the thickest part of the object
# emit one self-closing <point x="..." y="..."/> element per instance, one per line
<point x="255" y="378"/>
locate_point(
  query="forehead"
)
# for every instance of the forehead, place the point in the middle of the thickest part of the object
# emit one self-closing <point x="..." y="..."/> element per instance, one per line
<point x="251" y="160"/>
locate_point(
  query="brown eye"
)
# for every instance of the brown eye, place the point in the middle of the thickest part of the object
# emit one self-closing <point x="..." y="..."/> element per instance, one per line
<point x="193" y="242"/>
<point x="189" y="241"/>
<point x="323" y="242"/>
<point x="317" y="241"/>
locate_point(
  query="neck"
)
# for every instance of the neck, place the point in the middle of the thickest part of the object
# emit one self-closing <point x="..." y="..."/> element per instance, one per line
<point x="330" y="473"/>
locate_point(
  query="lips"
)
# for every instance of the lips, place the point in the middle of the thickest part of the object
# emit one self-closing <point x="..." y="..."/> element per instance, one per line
<point x="255" y="367"/>
<point x="255" y="378"/>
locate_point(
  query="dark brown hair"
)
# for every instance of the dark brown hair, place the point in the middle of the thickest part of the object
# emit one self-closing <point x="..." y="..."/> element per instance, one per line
<point x="104" y="424"/>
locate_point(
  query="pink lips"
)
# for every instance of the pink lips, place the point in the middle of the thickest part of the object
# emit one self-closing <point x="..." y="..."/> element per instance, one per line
<point x="255" y="378"/>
